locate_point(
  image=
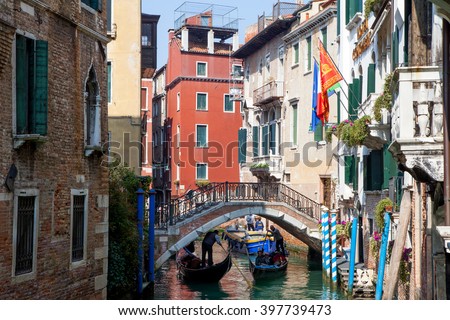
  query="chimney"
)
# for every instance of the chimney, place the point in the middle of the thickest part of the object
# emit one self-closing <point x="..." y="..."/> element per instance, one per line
<point x="235" y="41"/>
<point x="210" y="41"/>
<point x="185" y="39"/>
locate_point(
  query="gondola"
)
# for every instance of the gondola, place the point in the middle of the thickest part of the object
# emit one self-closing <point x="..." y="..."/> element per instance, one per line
<point x="247" y="241"/>
<point x="266" y="271"/>
<point x="191" y="271"/>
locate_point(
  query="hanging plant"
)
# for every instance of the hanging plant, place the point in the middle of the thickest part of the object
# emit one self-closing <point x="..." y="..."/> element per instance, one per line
<point x="384" y="101"/>
<point x="353" y="133"/>
<point x="380" y="209"/>
<point x="201" y="183"/>
<point x="372" y="6"/>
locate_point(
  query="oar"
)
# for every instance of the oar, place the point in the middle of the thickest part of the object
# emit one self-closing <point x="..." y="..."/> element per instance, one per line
<point x="239" y="269"/>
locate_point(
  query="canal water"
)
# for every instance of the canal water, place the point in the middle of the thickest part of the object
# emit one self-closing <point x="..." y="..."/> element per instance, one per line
<point x="303" y="280"/>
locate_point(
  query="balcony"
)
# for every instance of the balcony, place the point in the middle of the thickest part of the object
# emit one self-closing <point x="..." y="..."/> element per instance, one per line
<point x="379" y="131"/>
<point x="272" y="91"/>
<point x="268" y="168"/>
<point x="417" y="122"/>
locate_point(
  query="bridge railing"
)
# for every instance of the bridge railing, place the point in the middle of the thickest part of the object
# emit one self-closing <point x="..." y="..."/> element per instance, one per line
<point x="195" y="201"/>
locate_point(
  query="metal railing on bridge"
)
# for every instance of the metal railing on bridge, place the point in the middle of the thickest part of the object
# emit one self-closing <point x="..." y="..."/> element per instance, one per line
<point x="195" y="201"/>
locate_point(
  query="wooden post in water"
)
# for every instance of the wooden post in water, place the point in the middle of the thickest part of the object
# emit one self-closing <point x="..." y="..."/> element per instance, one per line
<point x="399" y="244"/>
<point x="353" y="243"/>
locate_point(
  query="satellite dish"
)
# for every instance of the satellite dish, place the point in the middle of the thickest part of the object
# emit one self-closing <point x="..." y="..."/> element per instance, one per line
<point x="12" y="174"/>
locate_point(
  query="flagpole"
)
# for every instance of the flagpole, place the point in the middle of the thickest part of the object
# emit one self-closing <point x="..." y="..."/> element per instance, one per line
<point x="348" y="87"/>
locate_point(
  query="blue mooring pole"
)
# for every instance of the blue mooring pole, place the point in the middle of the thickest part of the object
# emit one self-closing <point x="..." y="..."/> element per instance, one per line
<point x="333" y="246"/>
<point x="140" y="222"/>
<point x="151" y="238"/>
<point x="326" y="240"/>
<point x="383" y="251"/>
<point x="351" y="269"/>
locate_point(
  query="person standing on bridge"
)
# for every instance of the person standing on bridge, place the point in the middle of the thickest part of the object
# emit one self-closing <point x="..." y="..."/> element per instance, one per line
<point x="250" y="218"/>
<point x="210" y="238"/>
<point x="279" y="241"/>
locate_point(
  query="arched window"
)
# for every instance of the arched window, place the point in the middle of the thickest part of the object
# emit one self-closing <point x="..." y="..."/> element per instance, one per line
<point x="92" y="113"/>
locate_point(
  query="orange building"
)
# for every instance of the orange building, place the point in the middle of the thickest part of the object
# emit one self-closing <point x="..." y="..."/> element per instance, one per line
<point x="203" y="87"/>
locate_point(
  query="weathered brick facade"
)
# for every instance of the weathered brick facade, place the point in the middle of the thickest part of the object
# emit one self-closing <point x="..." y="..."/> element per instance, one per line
<point x="57" y="164"/>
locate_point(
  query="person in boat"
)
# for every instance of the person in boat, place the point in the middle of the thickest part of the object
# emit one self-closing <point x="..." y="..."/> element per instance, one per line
<point x="207" y="246"/>
<point x="279" y="240"/>
<point x="259" y="225"/>
<point x="250" y="218"/>
<point x="262" y="258"/>
<point x="278" y="258"/>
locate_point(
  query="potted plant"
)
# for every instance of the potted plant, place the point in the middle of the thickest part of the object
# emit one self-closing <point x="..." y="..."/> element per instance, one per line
<point x="202" y="183"/>
<point x="384" y="101"/>
<point x="384" y="205"/>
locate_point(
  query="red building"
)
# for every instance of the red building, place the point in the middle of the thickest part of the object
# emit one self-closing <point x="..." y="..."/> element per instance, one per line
<point x="203" y="117"/>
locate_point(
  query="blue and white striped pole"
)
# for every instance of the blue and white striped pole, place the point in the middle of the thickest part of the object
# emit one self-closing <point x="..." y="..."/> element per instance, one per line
<point x="326" y="240"/>
<point x="383" y="251"/>
<point x="351" y="268"/>
<point x="333" y="246"/>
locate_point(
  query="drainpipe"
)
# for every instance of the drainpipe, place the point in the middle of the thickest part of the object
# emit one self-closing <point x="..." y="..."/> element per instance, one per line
<point x="140" y="220"/>
<point x="446" y="73"/>
<point x="383" y="251"/>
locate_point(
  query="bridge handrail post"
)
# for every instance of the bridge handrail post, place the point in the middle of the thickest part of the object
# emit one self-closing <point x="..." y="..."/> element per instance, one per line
<point x="226" y="191"/>
<point x="171" y="209"/>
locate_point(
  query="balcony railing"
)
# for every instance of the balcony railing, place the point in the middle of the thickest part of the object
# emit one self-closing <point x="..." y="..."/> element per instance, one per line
<point x="274" y="169"/>
<point x="379" y="131"/>
<point x="268" y="93"/>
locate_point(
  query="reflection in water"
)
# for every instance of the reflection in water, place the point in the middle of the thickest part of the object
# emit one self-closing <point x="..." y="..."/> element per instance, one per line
<point x="302" y="280"/>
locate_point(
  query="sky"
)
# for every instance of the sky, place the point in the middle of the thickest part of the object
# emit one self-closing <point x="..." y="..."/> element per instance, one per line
<point x="247" y="12"/>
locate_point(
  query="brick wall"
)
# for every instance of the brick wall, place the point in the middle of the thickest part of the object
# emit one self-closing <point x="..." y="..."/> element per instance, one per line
<point x="59" y="164"/>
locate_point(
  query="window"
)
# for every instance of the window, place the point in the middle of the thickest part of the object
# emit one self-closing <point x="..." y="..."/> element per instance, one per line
<point x="201" y="69"/>
<point x="294" y="124"/>
<point x="324" y="37"/>
<point x="94" y="4"/>
<point x="202" y="171"/>
<point x="202" y="136"/>
<point x="92" y="110"/>
<point x="242" y="141"/>
<point x="31" y="86"/>
<point x="178" y="136"/>
<point x="295" y="54"/>
<point x="109" y="66"/>
<point x="109" y="15"/>
<point x="351" y="8"/>
<point x="147" y="34"/>
<point x="308" y="55"/>
<point x="238" y="72"/>
<point x="79" y="224"/>
<point x="268" y="62"/>
<point x="25" y="226"/>
<point x="255" y="133"/>
<point x="228" y="104"/>
<point x="202" y="101"/>
<point x="205" y="20"/>
<point x="178" y="171"/>
<point x="318" y="133"/>
<point x="178" y="101"/>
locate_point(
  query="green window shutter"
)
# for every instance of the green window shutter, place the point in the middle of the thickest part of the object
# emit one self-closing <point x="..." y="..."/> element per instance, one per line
<point x="352" y="101"/>
<point x="339" y="106"/>
<point x="365" y="173"/>
<point x="347" y="11"/>
<point x="349" y="162"/>
<point x="389" y="166"/>
<point x="201" y="69"/>
<point x="318" y="133"/>
<point x="355" y="173"/>
<point x="371" y="78"/>
<point x="109" y="80"/>
<point x="41" y="89"/>
<point x="324" y="37"/>
<point x="395" y="48"/>
<point x="296" y="55"/>
<point x="228" y="103"/>
<point x="201" y="101"/>
<point x="265" y="140"/>
<point x="308" y="40"/>
<point x="201" y="171"/>
<point x="255" y="133"/>
<point x="272" y="137"/>
<point x="242" y="140"/>
<point x="374" y="170"/>
<point x="295" y="124"/>
<point x="338" y="31"/>
<point x="201" y="136"/>
<point x="21" y="85"/>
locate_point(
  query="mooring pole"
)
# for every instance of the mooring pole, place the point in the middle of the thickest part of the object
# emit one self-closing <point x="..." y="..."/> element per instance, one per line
<point x="140" y="223"/>
<point x="151" y="238"/>
<point x="383" y="251"/>
<point x="325" y="240"/>
<point x="353" y="243"/>
<point x="333" y="246"/>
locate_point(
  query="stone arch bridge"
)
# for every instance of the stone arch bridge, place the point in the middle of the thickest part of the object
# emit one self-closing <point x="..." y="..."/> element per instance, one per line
<point x="187" y="217"/>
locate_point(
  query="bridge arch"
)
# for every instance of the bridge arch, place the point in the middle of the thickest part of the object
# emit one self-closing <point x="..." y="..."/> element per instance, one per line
<point x="298" y="224"/>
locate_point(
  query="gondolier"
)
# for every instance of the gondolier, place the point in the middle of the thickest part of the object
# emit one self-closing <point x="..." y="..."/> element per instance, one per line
<point x="279" y="241"/>
<point x="207" y="244"/>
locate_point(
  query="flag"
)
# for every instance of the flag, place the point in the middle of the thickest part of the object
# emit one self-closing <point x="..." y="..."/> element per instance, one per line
<point x="314" y="119"/>
<point x="334" y="89"/>
<point x="329" y="76"/>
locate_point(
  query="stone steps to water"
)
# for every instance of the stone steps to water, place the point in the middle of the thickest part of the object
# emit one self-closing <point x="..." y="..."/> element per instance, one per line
<point x="359" y="291"/>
